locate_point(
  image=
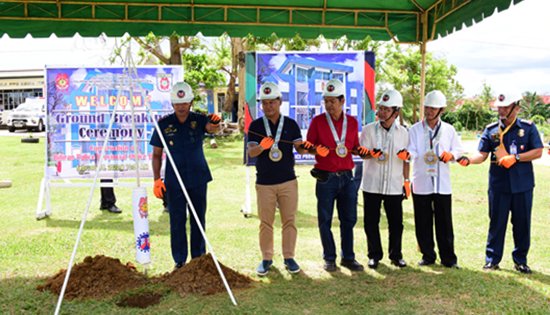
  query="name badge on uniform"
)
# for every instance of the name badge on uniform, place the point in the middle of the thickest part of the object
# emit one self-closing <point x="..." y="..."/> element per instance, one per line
<point x="431" y="159"/>
<point x="513" y="148"/>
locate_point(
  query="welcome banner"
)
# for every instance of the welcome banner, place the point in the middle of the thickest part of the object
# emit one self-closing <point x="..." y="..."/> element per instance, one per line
<point x="80" y="104"/>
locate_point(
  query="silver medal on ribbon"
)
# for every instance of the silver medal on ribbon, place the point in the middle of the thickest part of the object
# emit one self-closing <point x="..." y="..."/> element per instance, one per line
<point x="275" y="154"/>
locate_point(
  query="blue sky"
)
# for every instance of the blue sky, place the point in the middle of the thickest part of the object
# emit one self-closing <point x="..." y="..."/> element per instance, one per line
<point x="509" y="51"/>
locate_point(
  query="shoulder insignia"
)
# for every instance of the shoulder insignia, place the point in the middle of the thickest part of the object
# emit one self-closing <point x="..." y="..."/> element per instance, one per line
<point x="525" y="121"/>
<point x="491" y="125"/>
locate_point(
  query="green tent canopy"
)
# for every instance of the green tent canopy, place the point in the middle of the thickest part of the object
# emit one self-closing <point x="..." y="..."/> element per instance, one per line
<point x="405" y="21"/>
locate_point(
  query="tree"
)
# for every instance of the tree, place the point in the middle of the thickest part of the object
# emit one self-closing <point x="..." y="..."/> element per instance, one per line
<point x="400" y="67"/>
<point x="486" y="96"/>
<point x="200" y="69"/>
<point x="533" y="105"/>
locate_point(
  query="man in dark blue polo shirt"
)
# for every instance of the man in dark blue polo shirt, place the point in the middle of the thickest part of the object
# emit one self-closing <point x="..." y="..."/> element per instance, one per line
<point x="271" y="139"/>
<point x="183" y="134"/>
<point x="512" y="143"/>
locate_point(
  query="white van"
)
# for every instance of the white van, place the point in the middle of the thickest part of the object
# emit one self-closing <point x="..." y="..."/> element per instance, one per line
<point x="30" y="115"/>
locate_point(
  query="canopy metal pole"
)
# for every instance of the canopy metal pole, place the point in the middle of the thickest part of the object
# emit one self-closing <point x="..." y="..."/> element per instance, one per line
<point x="423" y="67"/>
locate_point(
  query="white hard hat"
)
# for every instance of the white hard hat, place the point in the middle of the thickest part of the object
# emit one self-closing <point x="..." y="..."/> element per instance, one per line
<point x="270" y="91"/>
<point x="506" y="99"/>
<point x="435" y="99"/>
<point x="334" y="87"/>
<point x="181" y="93"/>
<point x="391" y="98"/>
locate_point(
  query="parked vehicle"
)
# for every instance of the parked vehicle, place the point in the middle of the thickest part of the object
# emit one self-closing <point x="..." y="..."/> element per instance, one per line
<point x="30" y="115"/>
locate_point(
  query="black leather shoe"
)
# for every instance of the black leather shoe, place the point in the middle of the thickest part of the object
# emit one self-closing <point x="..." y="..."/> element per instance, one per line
<point x="330" y="265"/>
<point x="523" y="268"/>
<point x="352" y="264"/>
<point x="453" y="266"/>
<point x="491" y="266"/>
<point x="373" y="263"/>
<point x="399" y="263"/>
<point x="112" y="209"/>
<point x="179" y="265"/>
<point x="423" y="262"/>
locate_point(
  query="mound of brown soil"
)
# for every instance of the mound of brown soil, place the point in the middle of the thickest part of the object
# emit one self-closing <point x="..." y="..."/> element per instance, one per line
<point x="201" y="276"/>
<point x="96" y="277"/>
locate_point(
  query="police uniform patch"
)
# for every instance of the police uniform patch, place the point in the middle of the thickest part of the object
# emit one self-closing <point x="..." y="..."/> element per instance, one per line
<point x="525" y="121"/>
<point x="170" y="129"/>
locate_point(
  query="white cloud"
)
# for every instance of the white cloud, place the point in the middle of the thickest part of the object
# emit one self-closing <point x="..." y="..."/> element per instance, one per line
<point x="508" y="51"/>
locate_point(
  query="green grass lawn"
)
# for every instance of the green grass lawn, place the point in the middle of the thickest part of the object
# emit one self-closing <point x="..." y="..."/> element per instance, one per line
<point x="32" y="250"/>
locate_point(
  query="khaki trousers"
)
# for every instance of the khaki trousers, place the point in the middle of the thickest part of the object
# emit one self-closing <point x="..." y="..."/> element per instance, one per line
<point x="285" y="196"/>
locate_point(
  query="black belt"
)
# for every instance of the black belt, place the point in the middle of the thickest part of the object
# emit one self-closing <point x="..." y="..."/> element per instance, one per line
<point x="340" y="173"/>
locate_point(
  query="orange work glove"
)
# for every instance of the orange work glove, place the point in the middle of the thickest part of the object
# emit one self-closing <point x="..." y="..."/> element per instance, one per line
<point x="445" y="157"/>
<point x="403" y="154"/>
<point x="463" y="160"/>
<point x="406" y="188"/>
<point x="375" y="153"/>
<point x="159" y="188"/>
<point x="266" y="143"/>
<point x="322" y="150"/>
<point x="214" y="119"/>
<point x="362" y="151"/>
<point x="507" y="161"/>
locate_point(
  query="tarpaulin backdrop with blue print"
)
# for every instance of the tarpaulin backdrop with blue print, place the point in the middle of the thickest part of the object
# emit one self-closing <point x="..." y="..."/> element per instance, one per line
<point x="80" y="104"/>
<point x="301" y="77"/>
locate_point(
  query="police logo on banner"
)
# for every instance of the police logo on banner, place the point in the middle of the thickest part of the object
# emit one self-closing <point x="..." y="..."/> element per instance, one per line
<point x="164" y="82"/>
<point x="62" y="82"/>
<point x="142" y="242"/>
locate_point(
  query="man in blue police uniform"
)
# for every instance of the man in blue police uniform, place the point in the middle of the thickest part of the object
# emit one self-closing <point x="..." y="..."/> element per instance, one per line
<point x="512" y="143"/>
<point x="183" y="133"/>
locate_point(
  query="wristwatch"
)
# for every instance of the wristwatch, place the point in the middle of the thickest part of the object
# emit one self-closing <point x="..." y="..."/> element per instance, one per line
<point x="517" y="157"/>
